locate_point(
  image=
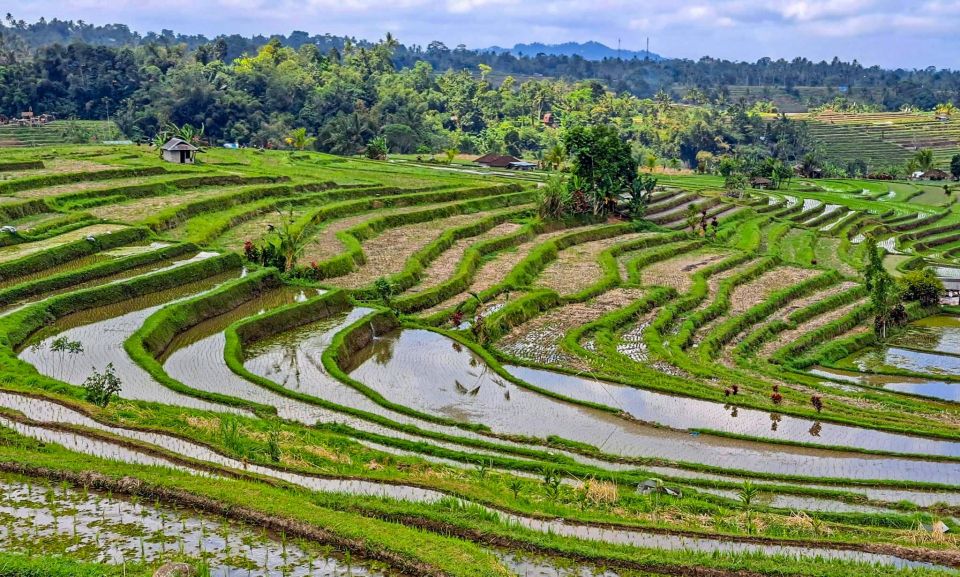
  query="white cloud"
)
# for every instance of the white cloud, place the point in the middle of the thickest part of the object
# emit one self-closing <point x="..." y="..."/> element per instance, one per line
<point x="882" y="31"/>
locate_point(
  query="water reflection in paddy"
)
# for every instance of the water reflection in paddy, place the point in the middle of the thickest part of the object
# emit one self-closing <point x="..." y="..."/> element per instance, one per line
<point x="892" y="357"/>
<point x="687" y="413"/>
<point x="105" y="529"/>
<point x="939" y="333"/>
<point x="949" y="391"/>
<point x="37" y="409"/>
<point x="195" y="358"/>
<point x="293" y="360"/>
<point x="101" y="332"/>
<point x="432" y="373"/>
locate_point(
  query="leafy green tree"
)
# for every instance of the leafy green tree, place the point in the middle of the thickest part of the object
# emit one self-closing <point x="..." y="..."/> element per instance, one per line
<point x="923" y="286"/>
<point x="782" y="173"/>
<point x="377" y="148"/>
<point x="955" y="166"/>
<point x="603" y="162"/>
<point x="885" y="295"/>
<point x="705" y="161"/>
<point x="554" y="198"/>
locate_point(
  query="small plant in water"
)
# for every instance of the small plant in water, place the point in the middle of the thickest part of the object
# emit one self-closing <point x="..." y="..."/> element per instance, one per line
<point x="63" y="346"/>
<point x="101" y="387"/>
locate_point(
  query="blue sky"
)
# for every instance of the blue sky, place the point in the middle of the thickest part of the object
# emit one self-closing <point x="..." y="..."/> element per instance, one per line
<point x="889" y="33"/>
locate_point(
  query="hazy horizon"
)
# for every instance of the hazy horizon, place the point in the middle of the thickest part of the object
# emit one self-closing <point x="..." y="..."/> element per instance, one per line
<point x="874" y="32"/>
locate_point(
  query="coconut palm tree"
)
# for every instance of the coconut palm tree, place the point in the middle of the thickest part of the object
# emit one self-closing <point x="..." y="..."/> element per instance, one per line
<point x="924" y="158"/>
<point x="299" y="139"/>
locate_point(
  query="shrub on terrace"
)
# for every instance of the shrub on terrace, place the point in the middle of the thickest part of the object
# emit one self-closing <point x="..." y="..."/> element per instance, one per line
<point x="922" y="286"/>
<point x="100" y="387"/>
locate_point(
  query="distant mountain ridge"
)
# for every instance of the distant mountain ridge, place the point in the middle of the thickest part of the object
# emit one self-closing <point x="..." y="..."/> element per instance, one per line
<point x="586" y="50"/>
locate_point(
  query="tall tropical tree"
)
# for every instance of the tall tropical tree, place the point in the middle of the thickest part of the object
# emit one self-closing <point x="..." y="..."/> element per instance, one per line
<point x="299" y="139"/>
<point x="924" y="158"/>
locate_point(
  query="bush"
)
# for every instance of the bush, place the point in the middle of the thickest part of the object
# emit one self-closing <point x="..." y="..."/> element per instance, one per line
<point x="923" y="286"/>
<point x="100" y="387"/>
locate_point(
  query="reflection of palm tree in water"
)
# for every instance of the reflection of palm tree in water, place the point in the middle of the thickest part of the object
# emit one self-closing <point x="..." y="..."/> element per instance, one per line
<point x="290" y="356"/>
<point x="383" y="350"/>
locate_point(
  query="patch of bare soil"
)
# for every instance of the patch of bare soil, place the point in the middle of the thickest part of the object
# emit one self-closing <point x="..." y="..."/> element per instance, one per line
<point x="325" y="245"/>
<point x="538" y="340"/>
<point x="387" y="253"/>
<point x="677" y="272"/>
<point x="494" y="270"/>
<point x="788" y="336"/>
<point x="446" y="264"/>
<point x="139" y="209"/>
<point x="782" y="313"/>
<point x="55" y="167"/>
<point x="576" y="268"/>
<point x="749" y="294"/>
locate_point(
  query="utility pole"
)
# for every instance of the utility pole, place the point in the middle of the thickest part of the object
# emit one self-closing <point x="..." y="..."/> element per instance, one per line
<point x="646" y="55"/>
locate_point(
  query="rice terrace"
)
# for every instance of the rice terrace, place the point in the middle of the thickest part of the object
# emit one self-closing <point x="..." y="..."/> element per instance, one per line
<point x="280" y="358"/>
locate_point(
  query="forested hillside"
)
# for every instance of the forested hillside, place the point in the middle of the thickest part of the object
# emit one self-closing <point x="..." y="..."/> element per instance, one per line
<point x="343" y="94"/>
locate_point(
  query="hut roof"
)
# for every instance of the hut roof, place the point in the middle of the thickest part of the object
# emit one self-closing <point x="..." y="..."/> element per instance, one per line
<point x="178" y="144"/>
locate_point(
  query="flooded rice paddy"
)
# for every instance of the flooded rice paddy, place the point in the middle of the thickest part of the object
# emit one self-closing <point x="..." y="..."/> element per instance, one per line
<point x="101" y="333"/>
<point x="687" y="413"/>
<point x="59" y="520"/>
<point x="945" y="390"/>
<point x="625" y="536"/>
<point x="885" y="358"/>
<point x="431" y="373"/>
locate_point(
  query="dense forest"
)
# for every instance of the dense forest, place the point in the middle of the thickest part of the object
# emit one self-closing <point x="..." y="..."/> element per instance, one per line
<point x="342" y="94"/>
<point x="886" y="89"/>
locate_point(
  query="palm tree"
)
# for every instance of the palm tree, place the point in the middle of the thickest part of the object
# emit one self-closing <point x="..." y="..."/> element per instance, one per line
<point x="555" y="157"/>
<point x="945" y="109"/>
<point x="924" y="158"/>
<point x="299" y="139"/>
